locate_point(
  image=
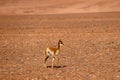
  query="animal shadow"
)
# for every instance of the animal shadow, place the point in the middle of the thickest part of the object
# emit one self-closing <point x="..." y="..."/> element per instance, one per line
<point x="56" y="66"/>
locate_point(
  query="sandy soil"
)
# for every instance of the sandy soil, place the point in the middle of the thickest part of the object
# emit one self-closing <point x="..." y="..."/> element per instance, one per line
<point x="91" y="50"/>
<point x="24" y="7"/>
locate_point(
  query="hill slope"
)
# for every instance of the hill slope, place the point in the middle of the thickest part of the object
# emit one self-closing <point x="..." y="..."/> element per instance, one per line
<point x="55" y="7"/>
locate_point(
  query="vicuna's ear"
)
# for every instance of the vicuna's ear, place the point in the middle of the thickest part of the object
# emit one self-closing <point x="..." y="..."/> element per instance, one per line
<point x="59" y="39"/>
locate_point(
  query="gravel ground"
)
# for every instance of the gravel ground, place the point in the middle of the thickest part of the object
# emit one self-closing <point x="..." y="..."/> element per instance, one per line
<point x="91" y="50"/>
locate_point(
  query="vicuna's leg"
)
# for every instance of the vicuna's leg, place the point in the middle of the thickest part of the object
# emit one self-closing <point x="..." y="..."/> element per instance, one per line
<point x="58" y="60"/>
<point x="53" y="62"/>
<point x="45" y="60"/>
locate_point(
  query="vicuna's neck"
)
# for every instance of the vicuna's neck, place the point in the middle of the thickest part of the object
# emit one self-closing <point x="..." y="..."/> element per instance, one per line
<point x="58" y="45"/>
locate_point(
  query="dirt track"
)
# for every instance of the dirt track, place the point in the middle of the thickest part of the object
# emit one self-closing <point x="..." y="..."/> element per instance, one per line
<point x="91" y="51"/>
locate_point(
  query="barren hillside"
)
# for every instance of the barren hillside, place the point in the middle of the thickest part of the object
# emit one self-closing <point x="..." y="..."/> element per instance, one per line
<point x="54" y="6"/>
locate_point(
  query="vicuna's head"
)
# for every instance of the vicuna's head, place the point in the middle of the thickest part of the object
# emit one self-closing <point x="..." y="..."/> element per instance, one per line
<point x="60" y="42"/>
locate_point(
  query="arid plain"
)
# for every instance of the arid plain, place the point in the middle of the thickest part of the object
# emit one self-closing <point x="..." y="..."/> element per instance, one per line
<point x="90" y="31"/>
<point x="91" y="50"/>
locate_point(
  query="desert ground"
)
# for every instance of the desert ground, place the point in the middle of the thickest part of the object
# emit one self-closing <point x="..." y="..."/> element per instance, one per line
<point x="91" y="50"/>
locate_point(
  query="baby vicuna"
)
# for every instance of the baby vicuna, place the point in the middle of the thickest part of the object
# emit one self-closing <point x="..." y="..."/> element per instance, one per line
<point x="53" y="52"/>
